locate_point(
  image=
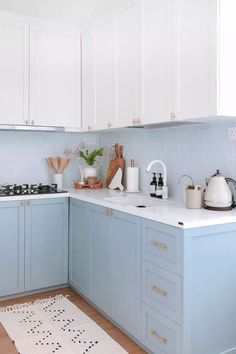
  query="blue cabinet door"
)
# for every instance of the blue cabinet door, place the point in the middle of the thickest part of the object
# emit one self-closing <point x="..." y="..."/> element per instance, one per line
<point x="99" y="258"/>
<point x="79" y="265"/>
<point x="125" y="236"/>
<point x="46" y="243"/>
<point x="11" y="248"/>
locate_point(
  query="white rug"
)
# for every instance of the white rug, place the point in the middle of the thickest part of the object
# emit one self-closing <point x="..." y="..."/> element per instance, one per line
<point x="55" y="325"/>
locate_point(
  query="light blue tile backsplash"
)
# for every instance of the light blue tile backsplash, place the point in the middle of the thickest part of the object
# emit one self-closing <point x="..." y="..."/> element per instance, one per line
<point x="23" y="154"/>
<point x="196" y="150"/>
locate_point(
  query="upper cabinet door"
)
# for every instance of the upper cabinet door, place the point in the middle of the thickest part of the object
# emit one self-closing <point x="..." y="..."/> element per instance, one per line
<point x="195" y="24"/>
<point x="227" y="58"/>
<point x="156" y="60"/>
<point x="14" y="73"/>
<point x="55" y="77"/>
<point x="99" y="77"/>
<point x="127" y="66"/>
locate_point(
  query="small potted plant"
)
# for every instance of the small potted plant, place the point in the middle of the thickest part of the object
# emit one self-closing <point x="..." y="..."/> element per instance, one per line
<point x="90" y="159"/>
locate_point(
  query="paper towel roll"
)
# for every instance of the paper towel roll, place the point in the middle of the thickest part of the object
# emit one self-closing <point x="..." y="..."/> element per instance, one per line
<point x="132" y="179"/>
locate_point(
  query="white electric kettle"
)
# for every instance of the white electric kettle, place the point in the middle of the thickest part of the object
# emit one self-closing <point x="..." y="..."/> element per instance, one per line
<point x="218" y="195"/>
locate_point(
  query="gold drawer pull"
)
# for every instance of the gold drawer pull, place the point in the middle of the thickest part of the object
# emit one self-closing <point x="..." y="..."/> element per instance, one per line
<point x="157" y="335"/>
<point x="108" y="212"/>
<point x="158" y="244"/>
<point x="158" y="290"/>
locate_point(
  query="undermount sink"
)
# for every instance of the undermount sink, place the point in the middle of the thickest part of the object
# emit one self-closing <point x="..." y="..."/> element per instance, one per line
<point x="141" y="202"/>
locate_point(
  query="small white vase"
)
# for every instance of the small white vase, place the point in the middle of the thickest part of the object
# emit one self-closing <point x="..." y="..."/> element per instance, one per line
<point x="57" y="179"/>
<point x="90" y="172"/>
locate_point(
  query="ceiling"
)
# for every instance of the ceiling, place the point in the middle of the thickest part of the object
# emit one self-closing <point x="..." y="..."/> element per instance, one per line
<point x="68" y="11"/>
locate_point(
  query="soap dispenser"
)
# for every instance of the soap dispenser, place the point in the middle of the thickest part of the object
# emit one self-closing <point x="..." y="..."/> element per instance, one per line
<point x="159" y="190"/>
<point x="153" y="186"/>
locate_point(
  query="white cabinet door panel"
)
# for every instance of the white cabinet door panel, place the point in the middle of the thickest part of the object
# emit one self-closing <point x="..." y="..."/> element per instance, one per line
<point x="227" y="53"/>
<point x="195" y="58"/>
<point x="157" y="60"/>
<point x="55" y="77"/>
<point x="127" y="65"/>
<point x="14" y="73"/>
<point x="105" y="95"/>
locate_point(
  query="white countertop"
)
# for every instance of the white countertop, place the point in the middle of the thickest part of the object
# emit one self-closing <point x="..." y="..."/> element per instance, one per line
<point x="167" y="212"/>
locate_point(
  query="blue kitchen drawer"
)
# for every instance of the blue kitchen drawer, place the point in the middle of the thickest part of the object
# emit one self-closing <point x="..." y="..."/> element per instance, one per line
<point x="162" y="290"/>
<point x="162" y="245"/>
<point x="159" y="334"/>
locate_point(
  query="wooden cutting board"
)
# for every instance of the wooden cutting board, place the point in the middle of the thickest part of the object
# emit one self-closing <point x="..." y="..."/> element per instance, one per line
<point x="116" y="163"/>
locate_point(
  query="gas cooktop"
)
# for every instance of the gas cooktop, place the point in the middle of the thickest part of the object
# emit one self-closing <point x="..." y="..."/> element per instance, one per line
<point x="9" y="190"/>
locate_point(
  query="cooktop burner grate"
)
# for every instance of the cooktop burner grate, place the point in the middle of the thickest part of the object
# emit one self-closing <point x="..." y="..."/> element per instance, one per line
<point x="8" y="190"/>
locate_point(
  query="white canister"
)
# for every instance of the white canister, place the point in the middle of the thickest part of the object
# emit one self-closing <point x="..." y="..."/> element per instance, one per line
<point x="194" y="197"/>
<point x="57" y="179"/>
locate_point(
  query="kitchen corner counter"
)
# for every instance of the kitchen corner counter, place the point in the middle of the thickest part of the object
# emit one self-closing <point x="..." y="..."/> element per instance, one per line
<point x="167" y="212"/>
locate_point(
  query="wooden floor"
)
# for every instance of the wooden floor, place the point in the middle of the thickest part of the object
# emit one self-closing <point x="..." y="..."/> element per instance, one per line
<point x="7" y="347"/>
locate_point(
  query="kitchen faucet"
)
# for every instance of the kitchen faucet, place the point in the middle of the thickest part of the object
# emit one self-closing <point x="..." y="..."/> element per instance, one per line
<point x="165" y="187"/>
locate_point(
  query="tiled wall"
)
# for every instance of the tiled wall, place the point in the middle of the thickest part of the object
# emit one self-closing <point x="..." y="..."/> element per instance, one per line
<point x="22" y="156"/>
<point x="195" y="150"/>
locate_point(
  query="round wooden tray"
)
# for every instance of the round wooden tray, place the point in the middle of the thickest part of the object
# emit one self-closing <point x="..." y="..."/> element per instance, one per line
<point x="98" y="185"/>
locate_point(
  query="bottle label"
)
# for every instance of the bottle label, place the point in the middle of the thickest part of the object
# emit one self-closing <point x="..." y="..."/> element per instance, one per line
<point x="152" y="189"/>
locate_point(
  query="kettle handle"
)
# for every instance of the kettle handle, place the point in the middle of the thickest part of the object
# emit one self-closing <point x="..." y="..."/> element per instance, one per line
<point x="231" y="180"/>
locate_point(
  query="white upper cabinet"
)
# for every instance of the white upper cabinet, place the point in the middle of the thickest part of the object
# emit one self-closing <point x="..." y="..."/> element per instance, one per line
<point x="55" y="77"/>
<point x="110" y="72"/>
<point x="40" y="73"/>
<point x="14" y="78"/>
<point x="156" y="59"/>
<point x="127" y="66"/>
<point x="99" y="95"/>
<point x="227" y="58"/>
<point x="195" y="57"/>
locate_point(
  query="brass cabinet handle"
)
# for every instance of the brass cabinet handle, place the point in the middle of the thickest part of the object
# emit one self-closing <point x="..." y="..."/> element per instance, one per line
<point x="108" y="212"/>
<point x="157" y="335"/>
<point x="89" y="127"/>
<point x="109" y="125"/>
<point x="139" y="121"/>
<point x="172" y="116"/>
<point x="158" y="244"/>
<point x="158" y="290"/>
<point x="24" y="203"/>
<point x="32" y="122"/>
<point x="136" y="121"/>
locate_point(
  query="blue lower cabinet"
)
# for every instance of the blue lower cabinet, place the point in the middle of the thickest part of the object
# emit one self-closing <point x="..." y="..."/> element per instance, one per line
<point x="105" y="261"/>
<point x="46" y="243"/>
<point x="11" y="248"/>
<point x="100" y="271"/>
<point x="125" y="252"/>
<point x="79" y="265"/>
